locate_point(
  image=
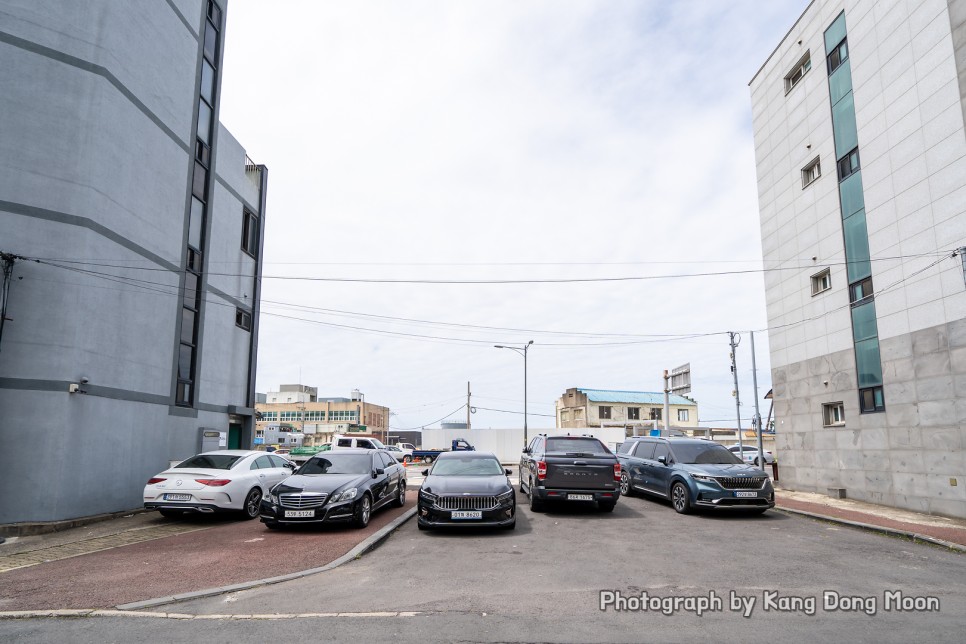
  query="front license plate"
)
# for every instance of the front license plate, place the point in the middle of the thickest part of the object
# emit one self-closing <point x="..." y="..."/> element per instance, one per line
<point x="177" y="497"/>
<point x="746" y="494"/>
<point x="580" y="497"/>
<point x="467" y="514"/>
<point x="299" y="514"/>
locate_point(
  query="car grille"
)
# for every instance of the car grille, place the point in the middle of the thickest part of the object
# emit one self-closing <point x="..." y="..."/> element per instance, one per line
<point x="741" y="482"/>
<point x="467" y="502"/>
<point x="302" y="500"/>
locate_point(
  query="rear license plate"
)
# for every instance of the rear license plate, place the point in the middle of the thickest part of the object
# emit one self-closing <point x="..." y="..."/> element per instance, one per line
<point x="467" y="514"/>
<point x="299" y="514"/>
<point x="177" y="497"/>
<point x="746" y="494"/>
<point x="580" y="497"/>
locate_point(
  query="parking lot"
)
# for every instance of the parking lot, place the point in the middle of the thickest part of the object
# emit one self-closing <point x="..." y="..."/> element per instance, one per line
<point x="542" y="581"/>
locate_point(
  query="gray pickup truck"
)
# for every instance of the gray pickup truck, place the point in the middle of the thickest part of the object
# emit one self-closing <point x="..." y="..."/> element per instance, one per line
<point x="569" y="468"/>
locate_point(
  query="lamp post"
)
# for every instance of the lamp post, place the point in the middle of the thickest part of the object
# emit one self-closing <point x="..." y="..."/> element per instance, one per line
<point x="523" y="352"/>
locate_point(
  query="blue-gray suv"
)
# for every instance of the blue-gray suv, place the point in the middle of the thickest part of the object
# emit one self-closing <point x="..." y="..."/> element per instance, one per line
<point x="693" y="473"/>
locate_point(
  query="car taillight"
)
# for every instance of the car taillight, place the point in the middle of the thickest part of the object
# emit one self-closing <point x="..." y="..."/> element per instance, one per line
<point x="617" y="471"/>
<point x="541" y="470"/>
<point x="213" y="482"/>
<point x="155" y="480"/>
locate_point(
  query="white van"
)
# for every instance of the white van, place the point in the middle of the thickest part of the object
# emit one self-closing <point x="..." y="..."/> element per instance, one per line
<point x="342" y="442"/>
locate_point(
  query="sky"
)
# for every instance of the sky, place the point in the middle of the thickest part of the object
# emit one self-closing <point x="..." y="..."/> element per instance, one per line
<point x="449" y="176"/>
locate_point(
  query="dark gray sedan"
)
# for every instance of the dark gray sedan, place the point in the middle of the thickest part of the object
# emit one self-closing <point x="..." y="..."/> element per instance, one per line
<point x="466" y="489"/>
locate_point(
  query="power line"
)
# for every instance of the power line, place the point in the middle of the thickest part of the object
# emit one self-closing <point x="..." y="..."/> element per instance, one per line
<point x="438" y="420"/>
<point x="507" y="411"/>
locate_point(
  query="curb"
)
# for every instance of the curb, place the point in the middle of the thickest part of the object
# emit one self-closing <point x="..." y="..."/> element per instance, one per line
<point x="915" y="536"/>
<point x="358" y="551"/>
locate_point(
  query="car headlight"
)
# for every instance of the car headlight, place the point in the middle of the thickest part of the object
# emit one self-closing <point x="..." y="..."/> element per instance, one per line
<point x="345" y="495"/>
<point x="429" y="497"/>
<point x="704" y="478"/>
<point x="505" y="497"/>
<point x="272" y="498"/>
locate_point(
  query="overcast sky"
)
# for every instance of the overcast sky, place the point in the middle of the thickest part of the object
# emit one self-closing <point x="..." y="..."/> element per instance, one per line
<point x="523" y="142"/>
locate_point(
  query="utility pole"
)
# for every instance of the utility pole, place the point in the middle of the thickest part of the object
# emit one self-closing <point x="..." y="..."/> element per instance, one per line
<point x="734" y="372"/>
<point x="754" y="380"/>
<point x="468" y="408"/>
<point x="667" y="404"/>
<point x="8" y="260"/>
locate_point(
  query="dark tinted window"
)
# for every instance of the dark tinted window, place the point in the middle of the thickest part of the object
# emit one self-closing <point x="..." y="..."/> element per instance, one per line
<point x="645" y="449"/>
<point x="212" y="461"/>
<point x="625" y="447"/>
<point x="262" y="462"/>
<point x="575" y="445"/>
<point x="704" y="454"/>
<point x="278" y="461"/>
<point x="338" y="464"/>
<point x="466" y="467"/>
<point x="661" y="450"/>
<point x="387" y="460"/>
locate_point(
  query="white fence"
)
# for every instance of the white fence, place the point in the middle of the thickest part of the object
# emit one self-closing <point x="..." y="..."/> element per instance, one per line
<point x="507" y="444"/>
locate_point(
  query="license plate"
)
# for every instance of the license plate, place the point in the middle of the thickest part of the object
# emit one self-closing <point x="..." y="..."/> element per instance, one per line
<point x="177" y="497"/>
<point x="299" y="514"/>
<point x="467" y="514"/>
<point x="746" y="494"/>
<point x="580" y="497"/>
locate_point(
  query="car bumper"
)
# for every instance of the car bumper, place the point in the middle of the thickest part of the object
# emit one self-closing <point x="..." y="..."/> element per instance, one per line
<point x="340" y="512"/>
<point x="434" y="517"/>
<point x="556" y="494"/>
<point x="204" y="508"/>
<point x="717" y="499"/>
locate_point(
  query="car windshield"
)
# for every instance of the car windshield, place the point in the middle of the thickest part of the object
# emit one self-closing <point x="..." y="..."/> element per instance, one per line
<point x="338" y="464"/>
<point x="575" y="445"/>
<point x="212" y="461"/>
<point x="467" y="467"/>
<point x="710" y="454"/>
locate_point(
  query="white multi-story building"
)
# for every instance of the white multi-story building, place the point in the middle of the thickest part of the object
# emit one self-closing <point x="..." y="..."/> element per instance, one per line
<point x="131" y="223"/>
<point x="861" y="157"/>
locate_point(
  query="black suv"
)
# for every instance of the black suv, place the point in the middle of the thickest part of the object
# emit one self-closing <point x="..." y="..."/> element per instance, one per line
<point x="569" y="468"/>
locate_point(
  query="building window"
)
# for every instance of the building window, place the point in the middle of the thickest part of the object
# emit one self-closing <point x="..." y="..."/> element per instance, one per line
<point x="249" y="233"/>
<point x="871" y="400"/>
<point x="603" y="413"/>
<point x="655" y="413"/>
<point x="821" y="282"/>
<point x="683" y="415"/>
<point x="633" y="413"/>
<point x="259" y="433"/>
<point x="564" y="415"/>
<point x="838" y="55"/>
<point x="801" y="68"/>
<point x="849" y="164"/>
<point x="578" y="414"/>
<point x="811" y="172"/>
<point x="861" y="290"/>
<point x="833" y="414"/>
<point x="243" y="319"/>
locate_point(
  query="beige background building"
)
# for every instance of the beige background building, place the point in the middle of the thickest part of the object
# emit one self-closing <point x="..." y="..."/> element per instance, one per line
<point x="579" y="407"/>
<point x="298" y="407"/>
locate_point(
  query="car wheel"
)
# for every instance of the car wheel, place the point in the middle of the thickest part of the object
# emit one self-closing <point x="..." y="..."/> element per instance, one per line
<point x="626" y="484"/>
<point x="407" y="459"/>
<point x="680" y="498"/>
<point x="427" y="459"/>
<point x="606" y="507"/>
<point x="363" y="512"/>
<point x="536" y="503"/>
<point x="401" y="497"/>
<point x="171" y="514"/>
<point x="252" y="502"/>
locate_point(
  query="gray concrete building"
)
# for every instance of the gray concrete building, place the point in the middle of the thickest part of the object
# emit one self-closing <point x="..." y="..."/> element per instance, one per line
<point x="132" y="226"/>
<point x="861" y="157"/>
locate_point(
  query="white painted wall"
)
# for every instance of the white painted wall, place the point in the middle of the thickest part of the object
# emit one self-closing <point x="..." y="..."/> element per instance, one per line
<point x="507" y="444"/>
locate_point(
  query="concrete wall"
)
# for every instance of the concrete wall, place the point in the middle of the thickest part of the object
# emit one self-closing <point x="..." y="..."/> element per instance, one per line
<point x="912" y="142"/>
<point x="98" y="109"/>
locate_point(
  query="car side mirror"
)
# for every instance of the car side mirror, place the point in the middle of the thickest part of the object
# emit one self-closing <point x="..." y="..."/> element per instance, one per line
<point x="662" y="460"/>
<point x="291" y="466"/>
<point x="376" y="472"/>
<point x="425" y="472"/>
<point x="508" y="472"/>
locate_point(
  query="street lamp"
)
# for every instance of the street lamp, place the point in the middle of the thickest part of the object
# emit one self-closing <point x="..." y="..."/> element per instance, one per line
<point x="523" y="352"/>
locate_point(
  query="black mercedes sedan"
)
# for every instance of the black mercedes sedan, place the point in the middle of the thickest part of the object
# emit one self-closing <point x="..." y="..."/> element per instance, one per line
<point x="466" y="489"/>
<point x="341" y="485"/>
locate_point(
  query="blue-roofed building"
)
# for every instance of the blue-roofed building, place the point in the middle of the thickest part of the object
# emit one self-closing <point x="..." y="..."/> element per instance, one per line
<point x="581" y="407"/>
